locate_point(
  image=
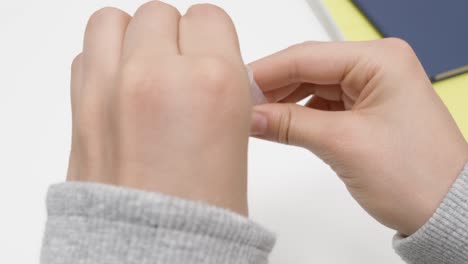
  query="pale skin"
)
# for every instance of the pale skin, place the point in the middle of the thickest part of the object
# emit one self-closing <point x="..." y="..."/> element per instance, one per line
<point x="375" y="119"/>
<point x="161" y="103"/>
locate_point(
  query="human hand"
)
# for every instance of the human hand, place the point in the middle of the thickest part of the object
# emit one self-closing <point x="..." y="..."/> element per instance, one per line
<point x="374" y="118"/>
<point x="161" y="103"/>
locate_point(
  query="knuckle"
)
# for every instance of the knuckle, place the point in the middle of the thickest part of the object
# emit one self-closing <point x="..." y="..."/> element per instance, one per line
<point x="296" y="55"/>
<point x="399" y="47"/>
<point x="217" y="81"/>
<point x="140" y="86"/>
<point x="157" y="6"/>
<point x="213" y="76"/>
<point x="400" y="53"/>
<point x="284" y="126"/>
<point x="104" y="14"/>
<point x="304" y="44"/>
<point x="397" y="43"/>
<point x="207" y="10"/>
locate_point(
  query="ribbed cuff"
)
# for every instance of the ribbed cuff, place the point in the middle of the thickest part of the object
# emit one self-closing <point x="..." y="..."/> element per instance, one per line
<point x="444" y="238"/>
<point x="110" y="224"/>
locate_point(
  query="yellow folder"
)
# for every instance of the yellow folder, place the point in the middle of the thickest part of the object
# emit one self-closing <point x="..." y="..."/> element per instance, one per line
<point x="355" y="27"/>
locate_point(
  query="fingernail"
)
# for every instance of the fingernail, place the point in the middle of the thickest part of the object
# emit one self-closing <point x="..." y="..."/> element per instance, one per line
<point x="259" y="124"/>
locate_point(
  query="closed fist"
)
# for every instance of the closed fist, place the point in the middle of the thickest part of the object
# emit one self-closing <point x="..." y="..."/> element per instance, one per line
<point x="161" y="102"/>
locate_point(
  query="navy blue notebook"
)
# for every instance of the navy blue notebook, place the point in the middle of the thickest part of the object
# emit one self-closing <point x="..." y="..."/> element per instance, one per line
<point x="436" y="29"/>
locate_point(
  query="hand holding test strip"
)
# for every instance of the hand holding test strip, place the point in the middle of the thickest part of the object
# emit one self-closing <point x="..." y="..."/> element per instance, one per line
<point x="369" y="118"/>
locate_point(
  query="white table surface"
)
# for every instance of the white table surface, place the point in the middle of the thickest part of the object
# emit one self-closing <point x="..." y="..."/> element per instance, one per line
<point x="291" y="191"/>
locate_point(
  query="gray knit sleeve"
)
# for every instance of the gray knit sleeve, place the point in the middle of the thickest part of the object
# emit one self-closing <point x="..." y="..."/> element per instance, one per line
<point x="94" y="223"/>
<point x="444" y="238"/>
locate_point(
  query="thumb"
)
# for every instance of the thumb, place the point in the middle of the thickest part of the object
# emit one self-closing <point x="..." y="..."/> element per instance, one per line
<point x="298" y="125"/>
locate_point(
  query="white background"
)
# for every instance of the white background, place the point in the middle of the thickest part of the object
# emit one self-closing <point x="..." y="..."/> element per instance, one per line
<point x="291" y="191"/>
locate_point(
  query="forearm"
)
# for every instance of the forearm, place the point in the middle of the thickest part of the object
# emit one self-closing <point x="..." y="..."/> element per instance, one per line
<point x="94" y="223"/>
<point x="444" y="238"/>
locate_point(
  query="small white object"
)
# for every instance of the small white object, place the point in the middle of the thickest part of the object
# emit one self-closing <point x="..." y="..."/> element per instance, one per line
<point x="257" y="95"/>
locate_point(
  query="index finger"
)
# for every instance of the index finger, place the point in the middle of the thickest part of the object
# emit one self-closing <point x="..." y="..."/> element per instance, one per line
<point x="322" y="63"/>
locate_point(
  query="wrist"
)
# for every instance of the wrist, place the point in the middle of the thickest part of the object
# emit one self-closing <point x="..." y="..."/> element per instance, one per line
<point x="433" y="193"/>
<point x="226" y="188"/>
